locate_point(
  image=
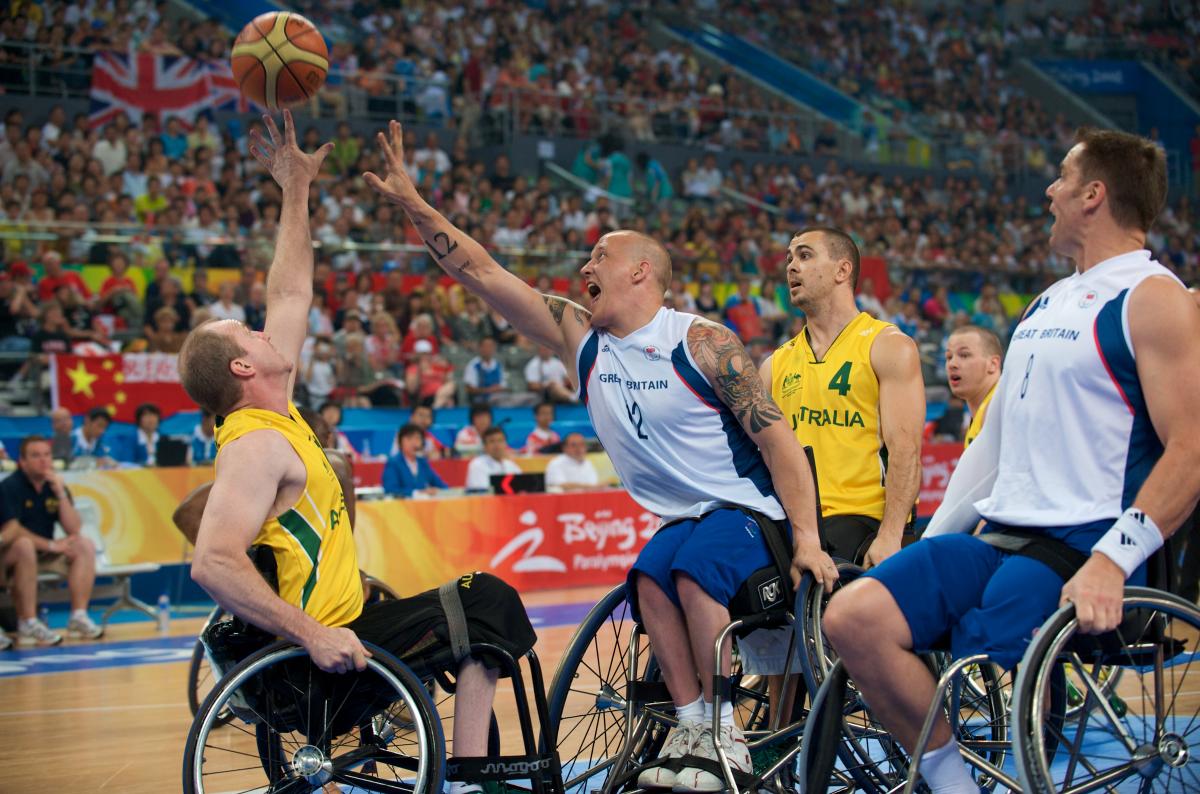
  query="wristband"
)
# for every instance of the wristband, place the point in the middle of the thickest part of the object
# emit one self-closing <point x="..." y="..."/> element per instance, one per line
<point x="1131" y="540"/>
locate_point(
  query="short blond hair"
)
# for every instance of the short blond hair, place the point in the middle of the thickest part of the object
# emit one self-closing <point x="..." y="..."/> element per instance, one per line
<point x="204" y="370"/>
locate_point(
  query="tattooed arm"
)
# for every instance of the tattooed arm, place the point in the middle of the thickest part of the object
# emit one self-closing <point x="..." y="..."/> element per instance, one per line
<point x="555" y="322"/>
<point x="723" y="360"/>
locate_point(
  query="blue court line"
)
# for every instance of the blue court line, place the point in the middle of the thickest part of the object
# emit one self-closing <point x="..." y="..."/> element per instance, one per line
<point x="164" y="650"/>
<point x="95" y="656"/>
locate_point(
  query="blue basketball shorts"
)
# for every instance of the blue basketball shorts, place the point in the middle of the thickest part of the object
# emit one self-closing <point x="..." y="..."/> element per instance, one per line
<point x="718" y="551"/>
<point x="983" y="599"/>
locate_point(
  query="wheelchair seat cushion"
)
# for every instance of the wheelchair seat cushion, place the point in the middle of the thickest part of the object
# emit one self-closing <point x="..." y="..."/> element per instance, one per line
<point x="848" y="537"/>
<point x="415" y="629"/>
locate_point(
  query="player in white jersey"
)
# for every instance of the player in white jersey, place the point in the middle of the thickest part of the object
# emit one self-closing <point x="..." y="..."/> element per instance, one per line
<point x="1091" y="440"/>
<point x="690" y="429"/>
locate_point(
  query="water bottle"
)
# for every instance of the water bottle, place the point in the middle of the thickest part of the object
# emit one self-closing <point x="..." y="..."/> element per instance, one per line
<point x="44" y="615"/>
<point x="164" y="613"/>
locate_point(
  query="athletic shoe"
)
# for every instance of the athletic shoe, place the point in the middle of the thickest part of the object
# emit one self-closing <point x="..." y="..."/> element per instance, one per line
<point x="680" y="742"/>
<point x="732" y="742"/>
<point x="5" y="641"/>
<point x="84" y="628"/>
<point x="37" y="633"/>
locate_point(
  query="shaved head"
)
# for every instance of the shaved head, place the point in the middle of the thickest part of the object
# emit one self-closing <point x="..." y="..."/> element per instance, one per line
<point x="644" y="248"/>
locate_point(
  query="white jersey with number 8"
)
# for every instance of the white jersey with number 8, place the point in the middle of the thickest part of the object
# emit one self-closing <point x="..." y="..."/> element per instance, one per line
<point x="1076" y="439"/>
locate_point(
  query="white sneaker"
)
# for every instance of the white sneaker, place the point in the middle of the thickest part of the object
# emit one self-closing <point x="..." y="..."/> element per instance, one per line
<point x="679" y="743"/>
<point x="82" y="627"/>
<point x="37" y="633"/>
<point x="5" y="641"/>
<point x="732" y="742"/>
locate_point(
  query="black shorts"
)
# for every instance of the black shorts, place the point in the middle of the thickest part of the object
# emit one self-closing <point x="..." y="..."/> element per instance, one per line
<point x="415" y="628"/>
<point x="847" y="538"/>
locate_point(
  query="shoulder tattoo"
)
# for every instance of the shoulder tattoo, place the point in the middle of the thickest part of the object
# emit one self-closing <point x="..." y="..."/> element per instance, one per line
<point x="558" y="307"/>
<point x="725" y="361"/>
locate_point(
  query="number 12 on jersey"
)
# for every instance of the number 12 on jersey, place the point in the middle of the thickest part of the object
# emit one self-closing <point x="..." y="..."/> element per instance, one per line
<point x="635" y="417"/>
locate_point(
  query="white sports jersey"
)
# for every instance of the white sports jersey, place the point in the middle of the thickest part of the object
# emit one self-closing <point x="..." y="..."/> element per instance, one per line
<point x="679" y="451"/>
<point x="1076" y="440"/>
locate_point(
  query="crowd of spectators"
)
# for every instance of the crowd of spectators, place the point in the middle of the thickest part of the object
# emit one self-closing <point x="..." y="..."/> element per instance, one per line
<point x="385" y="329"/>
<point x="946" y="71"/>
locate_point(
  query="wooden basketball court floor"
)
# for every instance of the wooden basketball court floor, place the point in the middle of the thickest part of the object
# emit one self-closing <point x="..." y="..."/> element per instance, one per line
<point x="112" y="715"/>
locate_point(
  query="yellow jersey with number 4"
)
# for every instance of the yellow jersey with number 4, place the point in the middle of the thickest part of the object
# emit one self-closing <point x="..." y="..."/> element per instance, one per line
<point x="314" y="550"/>
<point x="832" y="405"/>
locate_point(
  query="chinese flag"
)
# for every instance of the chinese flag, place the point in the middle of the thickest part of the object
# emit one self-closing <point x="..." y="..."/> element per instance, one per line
<point x="119" y="383"/>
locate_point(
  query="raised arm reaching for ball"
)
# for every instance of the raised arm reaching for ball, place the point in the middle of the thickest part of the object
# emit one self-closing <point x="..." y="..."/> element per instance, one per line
<point x="556" y="322"/>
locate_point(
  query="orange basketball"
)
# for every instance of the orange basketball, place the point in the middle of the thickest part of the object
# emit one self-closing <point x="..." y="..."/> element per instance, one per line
<point x="280" y="59"/>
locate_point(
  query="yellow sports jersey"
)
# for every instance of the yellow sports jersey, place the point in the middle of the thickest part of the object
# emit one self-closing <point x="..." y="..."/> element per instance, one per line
<point x="314" y="550"/>
<point x="833" y="406"/>
<point x="977" y="418"/>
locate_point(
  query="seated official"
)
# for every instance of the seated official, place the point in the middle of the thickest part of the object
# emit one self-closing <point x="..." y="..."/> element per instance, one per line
<point x="145" y="446"/>
<point x="469" y="440"/>
<point x="407" y="472"/>
<point x="572" y="471"/>
<point x="496" y="459"/>
<point x="542" y="435"/>
<point x="33" y="499"/>
<point x="202" y="447"/>
<point x="87" y="440"/>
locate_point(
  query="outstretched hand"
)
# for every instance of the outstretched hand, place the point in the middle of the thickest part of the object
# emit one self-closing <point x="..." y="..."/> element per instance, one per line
<point x="282" y="156"/>
<point x="396" y="185"/>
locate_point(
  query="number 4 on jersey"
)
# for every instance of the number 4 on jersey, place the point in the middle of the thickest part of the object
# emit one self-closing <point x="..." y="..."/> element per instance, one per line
<point x="841" y="380"/>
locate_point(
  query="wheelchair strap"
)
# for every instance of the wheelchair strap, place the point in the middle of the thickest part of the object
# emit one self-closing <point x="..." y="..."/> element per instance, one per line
<point x="456" y="620"/>
<point x="499" y="768"/>
<point x="1051" y="552"/>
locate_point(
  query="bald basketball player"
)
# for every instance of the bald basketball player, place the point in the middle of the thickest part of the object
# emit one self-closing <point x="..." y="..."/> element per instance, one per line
<point x="692" y="433"/>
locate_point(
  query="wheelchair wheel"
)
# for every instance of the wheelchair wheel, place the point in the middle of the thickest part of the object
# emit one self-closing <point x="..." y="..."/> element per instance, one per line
<point x="294" y="728"/>
<point x="587" y="694"/>
<point x="1144" y="746"/>
<point x="816" y="654"/>
<point x="200" y="675"/>
<point x="587" y="697"/>
<point x="867" y="758"/>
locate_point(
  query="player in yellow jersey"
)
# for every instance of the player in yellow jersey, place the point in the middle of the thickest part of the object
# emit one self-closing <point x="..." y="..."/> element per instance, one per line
<point x="274" y="487"/>
<point x="973" y="357"/>
<point x="851" y="386"/>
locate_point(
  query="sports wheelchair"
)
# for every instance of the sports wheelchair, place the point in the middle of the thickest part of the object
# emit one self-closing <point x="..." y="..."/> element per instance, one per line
<point x="1113" y="712"/>
<point x="612" y="713"/>
<point x="274" y="722"/>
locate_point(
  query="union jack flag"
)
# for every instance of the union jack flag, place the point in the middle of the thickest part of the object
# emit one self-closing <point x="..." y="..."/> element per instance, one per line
<point x="161" y="85"/>
<point x="226" y="94"/>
